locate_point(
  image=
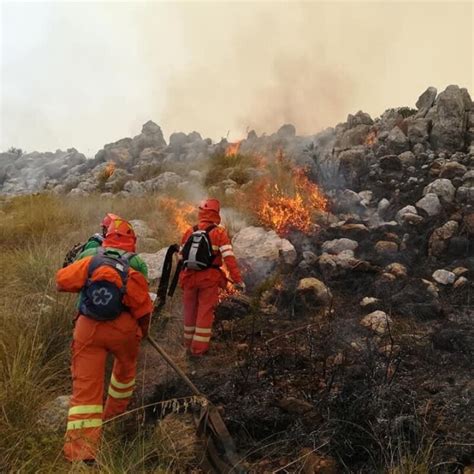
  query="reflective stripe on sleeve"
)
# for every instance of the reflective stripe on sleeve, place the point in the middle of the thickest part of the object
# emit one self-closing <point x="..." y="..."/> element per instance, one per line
<point x="82" y="424"/>
<point x="228" y="253"/>
<point x="215" y="247"/>
<point x="201" y="338"/>
<point x="118" y="384"/>
<point x="115" y="394"/>
<point x="225" y="247"/>
<point x="84" y="409"/>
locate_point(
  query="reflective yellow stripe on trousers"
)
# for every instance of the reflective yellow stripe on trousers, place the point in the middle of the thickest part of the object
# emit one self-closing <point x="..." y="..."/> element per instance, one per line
<point x="83" y="424"/>
<point x="84" y="409"/>
<point x="117" y="384"/>
<point x="115" y="394"/>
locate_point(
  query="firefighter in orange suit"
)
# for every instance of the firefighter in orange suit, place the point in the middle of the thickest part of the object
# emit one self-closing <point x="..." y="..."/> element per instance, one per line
<point x="93" y="339"/>
<point x="201" y="287"/>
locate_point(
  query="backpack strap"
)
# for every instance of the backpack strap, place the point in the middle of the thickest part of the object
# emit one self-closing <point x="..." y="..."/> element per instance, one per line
<point x="104" y="257"/>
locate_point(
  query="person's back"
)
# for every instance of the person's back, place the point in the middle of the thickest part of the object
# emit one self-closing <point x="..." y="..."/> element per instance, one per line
<point x="97" y="333"/>
<point x="201" y="287"/>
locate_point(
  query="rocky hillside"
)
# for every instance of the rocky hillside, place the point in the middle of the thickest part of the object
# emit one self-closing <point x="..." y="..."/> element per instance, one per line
<point x="358" y="344"/>
<point x="440" y="128"/>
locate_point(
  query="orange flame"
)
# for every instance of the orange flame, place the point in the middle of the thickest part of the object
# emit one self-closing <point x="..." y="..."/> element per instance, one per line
<point x="180" y="214"/>
<point x="284" y="210"/>
<point x="371" y="138"/>
<point x="229" y="289"/>
<point x="233" y="148"/>
<point x="109" y="169"/>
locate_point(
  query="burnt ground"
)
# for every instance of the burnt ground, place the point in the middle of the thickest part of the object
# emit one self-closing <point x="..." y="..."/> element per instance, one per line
<point x="320" y="380"/>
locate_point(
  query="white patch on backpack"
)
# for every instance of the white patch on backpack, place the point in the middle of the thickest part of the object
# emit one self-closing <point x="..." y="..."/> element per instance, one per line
<point x="101" y="297"/>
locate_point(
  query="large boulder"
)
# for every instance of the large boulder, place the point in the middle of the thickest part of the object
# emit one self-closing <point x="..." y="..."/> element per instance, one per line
<point x="426" y="101"/>
<point x="151" y="137"/>
<point x="259" y="252"/>
<point x="154" y="262"/>
<point x="449" y="118"/>
<point x="397" y="141"/>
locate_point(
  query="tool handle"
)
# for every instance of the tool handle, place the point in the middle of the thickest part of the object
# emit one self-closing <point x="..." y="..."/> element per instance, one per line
<point x="172" y="364"/>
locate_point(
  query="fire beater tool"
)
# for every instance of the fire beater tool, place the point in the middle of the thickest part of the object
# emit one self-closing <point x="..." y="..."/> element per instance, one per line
<point x="210" y="425"/>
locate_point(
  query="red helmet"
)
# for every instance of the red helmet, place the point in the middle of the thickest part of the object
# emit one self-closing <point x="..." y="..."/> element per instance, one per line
<point x="108" y="219"/>
<point x="120" y="234"/>
<point x="210" y="205"/>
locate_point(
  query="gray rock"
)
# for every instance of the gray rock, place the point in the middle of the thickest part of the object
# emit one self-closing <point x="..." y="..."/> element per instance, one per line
<point x="465" y="195"/>
<point x="407" y="158"/>
<point x="397" y="141"/>
<point x="443" y="188"/>
<point x="444" y="277"/>
<point x="452" y="169"/>
<point x="259" y="252"/>
<point x="441" y="236"/>
<point x="287" y="131"/>
<point x="53" y="417"/>
<point x="134" y="188"/>
<point x="154" y="262"/>
<point x="449" y="119"/>
<point x="430" y="204"/>
<point x="313" y="293"/>
<point x="339" y="245"/>
<point x="400" y="217"/>
<point x="78" y="193"/>
<point x="418" y="131"/>
<point x="141" y="228"/>
<point x="426" y="101"/>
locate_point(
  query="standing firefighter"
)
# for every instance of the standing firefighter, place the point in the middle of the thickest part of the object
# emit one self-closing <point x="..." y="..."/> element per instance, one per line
<point x="204" y="249"/>
<point x="114" y="315"/>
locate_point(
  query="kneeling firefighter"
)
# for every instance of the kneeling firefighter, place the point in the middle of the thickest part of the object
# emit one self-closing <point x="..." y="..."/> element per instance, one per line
<point x="204" y="249"/>
<point x="114" y="315"/>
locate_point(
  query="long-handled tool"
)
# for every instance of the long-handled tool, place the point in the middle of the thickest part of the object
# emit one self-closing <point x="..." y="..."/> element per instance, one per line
<point x="210" y="425"/>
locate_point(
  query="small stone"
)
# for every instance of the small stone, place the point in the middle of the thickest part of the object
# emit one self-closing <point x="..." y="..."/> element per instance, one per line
<point x="386" y="247"/>
<point x="397" y="269"/>
<point x="460" y="271"/>
<point x="402" y="212"/>
<point x="378" y="321"/>
<point x="430" y="203"/>
<point x="294" y="405"/>
<point x="339" y="245"/>
<point x="460" y="282"/>
<point x="369" y="301"/>
<point x="444" y="277"/>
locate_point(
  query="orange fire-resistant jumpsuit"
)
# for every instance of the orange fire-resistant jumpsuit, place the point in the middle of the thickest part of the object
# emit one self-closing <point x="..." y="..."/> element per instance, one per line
<point x="201" y="287"/>
<point x="91" y="343"/>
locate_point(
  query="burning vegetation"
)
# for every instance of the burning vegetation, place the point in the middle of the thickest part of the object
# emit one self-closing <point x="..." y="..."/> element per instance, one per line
<point x="181" y="215"/>
<point x="233" y="149"/>
<point x="292" y="208"/>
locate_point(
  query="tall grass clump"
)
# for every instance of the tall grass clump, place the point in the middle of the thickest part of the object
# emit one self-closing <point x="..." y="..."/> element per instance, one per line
<point x="36" y="326"/>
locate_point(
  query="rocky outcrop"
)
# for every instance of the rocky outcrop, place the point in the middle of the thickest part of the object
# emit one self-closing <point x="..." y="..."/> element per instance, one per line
<point x="260" y="253"/>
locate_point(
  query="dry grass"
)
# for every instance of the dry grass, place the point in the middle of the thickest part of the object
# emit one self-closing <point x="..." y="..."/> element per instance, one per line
<point x="36" y="327"/>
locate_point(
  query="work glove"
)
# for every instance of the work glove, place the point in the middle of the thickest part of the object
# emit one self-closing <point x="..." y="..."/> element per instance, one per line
<point x="239" y="286"/>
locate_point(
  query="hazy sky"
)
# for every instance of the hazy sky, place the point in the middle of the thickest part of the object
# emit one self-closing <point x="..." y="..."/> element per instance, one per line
<point x="87" y="73"/>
